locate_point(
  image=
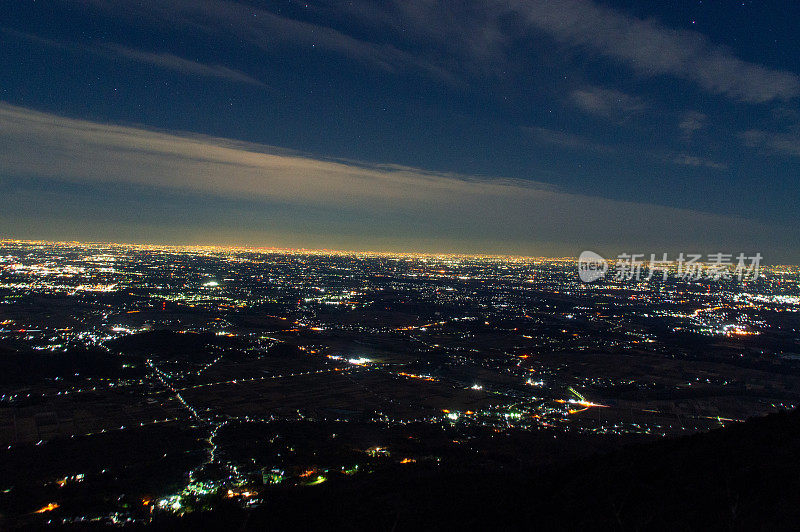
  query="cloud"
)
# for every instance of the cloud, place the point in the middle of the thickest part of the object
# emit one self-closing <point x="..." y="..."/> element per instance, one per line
<point x="449" y="39"/>
<point x="785" y="143"/>
<point x="567" y="140"/>
<point x="653" y="49"/>
<point x="607" y="102"/>
<point x="697" y="162"/>
<point x="164" y="61"/>
<point x="571" y="141"/>
<point x="692" y="122"/>
<point x="338" y="197"/>
<point x="269" y="31"/>
<point x="179" y="64"/>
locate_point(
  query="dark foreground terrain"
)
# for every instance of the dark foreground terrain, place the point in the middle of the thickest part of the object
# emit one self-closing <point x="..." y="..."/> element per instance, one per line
<point x="742" y="477"/>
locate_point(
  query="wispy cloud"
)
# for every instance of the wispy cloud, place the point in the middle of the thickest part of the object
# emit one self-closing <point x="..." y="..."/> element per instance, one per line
<point x="697" y="162"/>
<point x="786" y="143"/>
<point x="269" y="31"/>
<point x="571" y="141"/>
<point x="653" y="49"/>
<point x="567" y="140"/>
<point x="161" y="60"/>
<point x="402" y="202"/>
<point x="692" y="122"/>
<point x="449" y="39"/>
<point x="607" y="102"/>
<point x="178" y="64"/>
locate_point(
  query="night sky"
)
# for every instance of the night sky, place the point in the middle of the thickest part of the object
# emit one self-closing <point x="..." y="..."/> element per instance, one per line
<point x="522" y="127"/>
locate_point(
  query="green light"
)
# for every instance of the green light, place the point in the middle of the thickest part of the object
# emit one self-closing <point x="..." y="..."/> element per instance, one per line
<point x="319" y="480"/>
